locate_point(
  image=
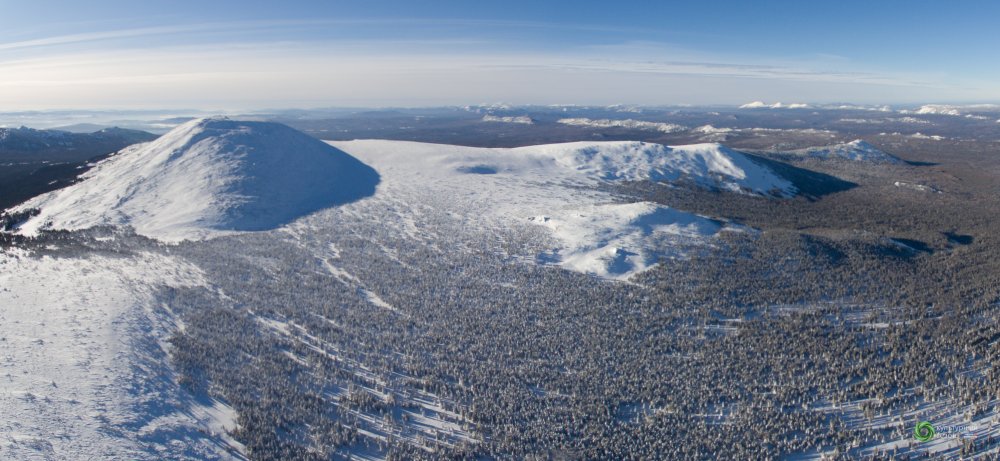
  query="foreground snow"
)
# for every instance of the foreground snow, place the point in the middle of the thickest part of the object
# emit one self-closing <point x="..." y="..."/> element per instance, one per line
<point x="83" y="378"/>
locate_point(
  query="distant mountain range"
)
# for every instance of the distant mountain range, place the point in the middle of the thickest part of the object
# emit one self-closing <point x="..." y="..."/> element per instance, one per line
<point x="857" y="150"/>
<point x="34" y="161"/>
<point x="29" y="144"/>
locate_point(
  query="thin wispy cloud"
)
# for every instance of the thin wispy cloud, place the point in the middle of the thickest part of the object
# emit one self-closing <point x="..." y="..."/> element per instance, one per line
<point x="93" y="36"/>
<point x="248" y="27"/>
<point x="229" y="64"/>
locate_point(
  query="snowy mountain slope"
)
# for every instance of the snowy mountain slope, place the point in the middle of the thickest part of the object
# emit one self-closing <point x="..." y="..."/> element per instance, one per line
<point x="710" y="165"/>
<point x="83" y="378"/>
<point x="553" y="187"/>
<point x="857" y="150"/>
<point x="56" y="145"/>
<point x="205" y="177"/>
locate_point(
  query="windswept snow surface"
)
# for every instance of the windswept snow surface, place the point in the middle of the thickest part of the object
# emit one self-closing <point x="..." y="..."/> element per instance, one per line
<point x="206" y="177"/>
<point x="554" y="186"/>
<point x="857" y="150"/>
<point x="84" y="374"/>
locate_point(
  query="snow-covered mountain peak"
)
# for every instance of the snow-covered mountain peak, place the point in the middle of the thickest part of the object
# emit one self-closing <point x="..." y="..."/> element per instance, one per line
<point x="708" y="164"/>
<point x="206" y="176"/>
<point x="857" y="150"/>
<point x="860" y="144"/>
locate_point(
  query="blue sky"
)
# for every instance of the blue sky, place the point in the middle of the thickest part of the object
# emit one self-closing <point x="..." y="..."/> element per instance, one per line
<point x="256" y="54"/>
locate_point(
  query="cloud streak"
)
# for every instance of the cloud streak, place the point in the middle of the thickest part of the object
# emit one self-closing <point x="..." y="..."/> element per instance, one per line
<point x="243" y="28"/>
<point x="451" y="70"/>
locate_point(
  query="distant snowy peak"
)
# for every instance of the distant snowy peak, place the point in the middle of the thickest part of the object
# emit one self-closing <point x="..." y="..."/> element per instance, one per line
<point x="709" y="129"/>
<point x="880" y="108"/>
<point x="708" y="165"/>
<point x="857" y="150"/>
<point x="520" y="119"/>
<point x="968" y="111"/>
<point x="204" y="177"/>
<point x="626" y="123"/>
<point x="10" y="133"/>
<point x="709" y="133"/>
<point x="777" y="105"/>
<point x="935" y="109"/>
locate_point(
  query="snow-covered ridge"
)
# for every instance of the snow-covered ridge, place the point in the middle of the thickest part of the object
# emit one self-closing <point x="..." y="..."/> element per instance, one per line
<point x="709" y="129"/>
<point x="709" y="133"/>
<point x="955" y="110"/>
<point x="879" y="121"/>
<point x="857" y="150"/>
<point x="56" y="135"/>
<point x="709" y="165"/>
<point x="484" y="107"/>
<point x="881" y="108"/>
<point x="911" y="120"/>
<point x="920" y="135"/>
<point x="205" y="177"/>
<point x="522" y="119"/>
<point x="626" y="123"/>
<point x="777" y="105"/>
